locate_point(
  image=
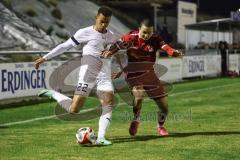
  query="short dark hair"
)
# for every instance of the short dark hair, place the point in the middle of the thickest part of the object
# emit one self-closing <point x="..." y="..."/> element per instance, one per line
<point x="146" y="22"/>
<point x="105" y="11"/>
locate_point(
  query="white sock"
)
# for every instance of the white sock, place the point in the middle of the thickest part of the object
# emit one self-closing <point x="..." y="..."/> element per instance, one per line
<point x="64" y="101"/>
<point x="104" y="121"/>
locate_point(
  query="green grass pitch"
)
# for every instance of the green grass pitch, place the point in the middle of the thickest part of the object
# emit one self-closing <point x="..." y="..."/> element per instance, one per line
<point x="204" y="123"/>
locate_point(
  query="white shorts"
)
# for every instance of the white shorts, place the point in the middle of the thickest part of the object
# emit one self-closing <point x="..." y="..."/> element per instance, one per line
<point x="89" y="79"/>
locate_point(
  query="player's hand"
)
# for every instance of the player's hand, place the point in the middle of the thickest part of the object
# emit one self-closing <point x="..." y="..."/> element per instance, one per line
<point x="106" y="54"/>
<point x="177" y="53"/>
<point x="38" y="62"/>
<point x="116" y="75"/>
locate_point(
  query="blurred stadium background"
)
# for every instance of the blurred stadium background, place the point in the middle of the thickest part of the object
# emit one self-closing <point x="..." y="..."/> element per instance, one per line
<point x="204" y="119"/>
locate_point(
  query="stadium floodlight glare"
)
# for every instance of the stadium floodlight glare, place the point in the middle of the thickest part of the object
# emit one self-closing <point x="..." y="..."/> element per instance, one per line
<point x="235" y="16"/>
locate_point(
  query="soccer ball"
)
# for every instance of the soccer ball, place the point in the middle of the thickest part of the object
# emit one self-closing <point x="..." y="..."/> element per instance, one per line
<point x="86" y="135"/>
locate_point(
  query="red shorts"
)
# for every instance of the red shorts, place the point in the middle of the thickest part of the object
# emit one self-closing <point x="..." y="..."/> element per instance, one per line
<point x="144" y="75"/>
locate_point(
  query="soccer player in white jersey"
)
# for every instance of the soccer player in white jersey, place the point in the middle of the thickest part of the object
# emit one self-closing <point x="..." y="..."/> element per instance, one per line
<point x="94" y="70"/>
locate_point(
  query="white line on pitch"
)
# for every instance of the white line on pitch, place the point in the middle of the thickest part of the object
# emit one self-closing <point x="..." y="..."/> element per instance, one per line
<point x="54" y="116"/>
<point x="27" y="121"/>
<point x="203" y="89"/>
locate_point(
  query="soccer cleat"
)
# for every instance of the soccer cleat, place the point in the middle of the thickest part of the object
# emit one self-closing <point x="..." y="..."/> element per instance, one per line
<point x="162" y="131"/>
<point x="103" y="142"/>
<point x="46" y="93"/>
<point x="133" y="127"/>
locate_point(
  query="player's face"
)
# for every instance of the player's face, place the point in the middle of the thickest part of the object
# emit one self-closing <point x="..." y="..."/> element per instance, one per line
<point x="145" y="32"/>
<point x="102" y="23"/>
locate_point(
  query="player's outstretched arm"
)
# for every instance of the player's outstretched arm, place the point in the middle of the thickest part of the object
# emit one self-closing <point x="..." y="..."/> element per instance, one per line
<point x="61" y="48"/>
<point x="171" y="51"/>
<point x="113" y="49"/>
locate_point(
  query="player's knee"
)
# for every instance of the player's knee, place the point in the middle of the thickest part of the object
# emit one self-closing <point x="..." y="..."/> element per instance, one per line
<point x="108" y="101"/>
<point x="139" y="96"/>
<point x="139" y="99"/>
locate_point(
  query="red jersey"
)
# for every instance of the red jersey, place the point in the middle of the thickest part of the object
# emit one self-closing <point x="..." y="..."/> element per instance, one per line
<point x="142" y="50"/>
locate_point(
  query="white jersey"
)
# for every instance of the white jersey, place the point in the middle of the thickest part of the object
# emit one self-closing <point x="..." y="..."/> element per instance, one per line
<point x="94" y="42"/>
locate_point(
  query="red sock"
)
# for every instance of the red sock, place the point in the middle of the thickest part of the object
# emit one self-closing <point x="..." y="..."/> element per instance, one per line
<point x="161" y="118"/>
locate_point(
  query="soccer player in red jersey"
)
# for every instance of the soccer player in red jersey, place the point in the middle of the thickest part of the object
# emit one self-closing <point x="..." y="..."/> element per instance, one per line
<point x="142" y="45"/>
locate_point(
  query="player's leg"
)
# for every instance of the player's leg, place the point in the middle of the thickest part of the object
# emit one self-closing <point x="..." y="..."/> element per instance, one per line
<point x="70" y="105"/>
<point x="89" y="69"/>
<point x="157" y="92"/>
<point x="105" y="92"/>
<point x="88" y="73"/>
<point x="162" y="104"/>
<point x="63" y="101"/>
<point x="107" y="101"/>
<point x="138" y="93"/>
<point x="77" y="103"/>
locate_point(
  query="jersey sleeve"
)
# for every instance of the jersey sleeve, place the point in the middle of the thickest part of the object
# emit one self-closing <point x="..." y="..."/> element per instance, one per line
<point x="126" y="37"/>
<point x="164" y="46"/>
<point x="79" y="37"/>
<point x="61" y="48"/>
